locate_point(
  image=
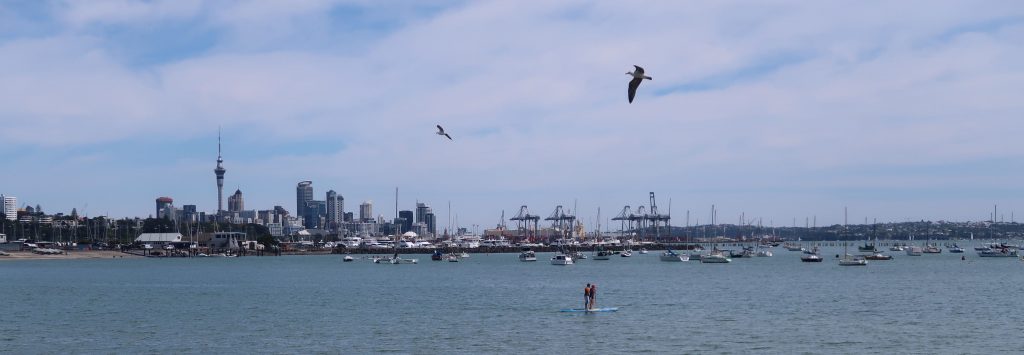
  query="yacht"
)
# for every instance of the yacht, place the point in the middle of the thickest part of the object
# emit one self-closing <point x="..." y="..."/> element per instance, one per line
<point x="603" y="255"/>
<point x="896" y="247"/>
<point x="914" y="250"/>
<point x="878" y="256"/>
<point x="931" y="249"/>
<point x="527" y="255"/>
<point x="956" y="249"/>
<point x="670" y="255"/>
<point x="643" y="250"/>
<point x="347" y="258"/>
<point x="469" y="242"/>
<point x="626" y="253"/>
<point x="452" y="257"/>
<point x="997" y="253"/>
<point x="848" y="260"/>
<point x="716" y="257"/>
<point x="794" y="247"/>
<point x="811" y="258"/>
<point x="764" y="253"/>
<point x="561" y="259"/>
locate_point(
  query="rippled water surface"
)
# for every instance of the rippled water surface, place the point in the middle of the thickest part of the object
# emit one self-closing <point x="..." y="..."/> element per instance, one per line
<point x="494" y="303"/>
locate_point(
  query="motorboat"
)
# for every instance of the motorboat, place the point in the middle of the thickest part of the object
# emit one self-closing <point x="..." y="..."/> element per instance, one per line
<point x="811" y="258"/>
<point x="626" y="253"/>
<point x="464" y="255"/>
<point x="437" y="255"/>
<point x="561" y="259"/>
<point x="896" y="247"/>
<point x="452" y="258"/>
<point x="579" y="255"/>
<point x="643" y="250"/>
<point x="764" y="253"/>
<point x="670" y="255"/>
<point x="998" y="253"/>
<point x="931" y="249"/>
<point x="527" y="255"/>
<point x="878" y="256"/>
<point x="347" y="258"/>
<point x="956" y="249"/>
<point x="914" y="250"/>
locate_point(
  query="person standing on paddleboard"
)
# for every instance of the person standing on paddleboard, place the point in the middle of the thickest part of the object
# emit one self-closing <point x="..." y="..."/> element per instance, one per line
<point x="586" y="297"/>
<point x="593" y="295"/>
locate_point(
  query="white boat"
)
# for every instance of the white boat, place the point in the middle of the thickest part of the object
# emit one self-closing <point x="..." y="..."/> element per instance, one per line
<point x="561" y="259"/>
<point x="715" y="258"/>
<point x="626" y="253"/>
<point x="852" y="261"/>
<point x="464" y="255"/>
<point x="764" y="253"/>
<point x="527" y="255"/>
<point x="914" y="250"/>
<point x="347" y="258"/>
<point x="452" y="258"/>
<point x="643" y="251"/>
<point x="811" y="258"/>
<point x="896" y="247"/>
<point x="670" y="255"/>
<point x="931" y="249"/>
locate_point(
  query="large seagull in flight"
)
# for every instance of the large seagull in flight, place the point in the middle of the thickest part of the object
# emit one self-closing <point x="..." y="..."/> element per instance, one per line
<point x="440" y="132"/>
<point x="638" y="76"/>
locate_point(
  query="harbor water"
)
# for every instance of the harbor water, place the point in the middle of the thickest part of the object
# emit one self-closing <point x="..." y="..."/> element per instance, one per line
<point x="496" y="304"/>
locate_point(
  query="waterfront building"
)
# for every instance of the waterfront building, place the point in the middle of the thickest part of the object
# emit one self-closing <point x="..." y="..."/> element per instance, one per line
<point x="407" y="220"/>
<point x="366" y="211"/>
<point x="303" y="194"/>
<point x="335" y="210"/>
<point x="164" y="207"/>
<point x="219" y="171"/>
<point x="275" y="229"/>
<point x="10" y="207"/>
<point x="236" y="203"/>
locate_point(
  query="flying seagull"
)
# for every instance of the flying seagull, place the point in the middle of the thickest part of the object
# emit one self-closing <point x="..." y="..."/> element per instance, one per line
<point x="638" y="76"/>
<point x="440" y="132"/>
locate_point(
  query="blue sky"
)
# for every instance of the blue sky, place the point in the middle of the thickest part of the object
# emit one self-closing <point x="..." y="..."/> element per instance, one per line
<point x="786" y="109"/>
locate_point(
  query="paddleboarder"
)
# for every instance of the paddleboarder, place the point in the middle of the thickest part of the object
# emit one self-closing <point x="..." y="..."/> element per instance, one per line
<point x="586" y="297"/>
<point x="593" y="295"/>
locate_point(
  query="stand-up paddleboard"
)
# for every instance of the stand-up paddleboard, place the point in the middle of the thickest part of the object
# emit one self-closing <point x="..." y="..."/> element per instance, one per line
<point x="609" y="309"/>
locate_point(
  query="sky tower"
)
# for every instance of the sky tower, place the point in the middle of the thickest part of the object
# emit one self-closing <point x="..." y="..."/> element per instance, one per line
<point x="220" y="177"/>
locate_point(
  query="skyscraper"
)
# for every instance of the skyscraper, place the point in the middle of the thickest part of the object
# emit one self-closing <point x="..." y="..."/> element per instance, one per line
<point x="235" y="202"/>
<point x="10" y="207"/>
<point x="335" y="210"/>
<point x="406" y="217"/>
<point x="220" y="177"/>
<point x="422" y="209"/>
<point x="431" y="222"/>
<point x="303" y="194"/>
<point x="162" y="204"/>
<point x="366" y="211"/>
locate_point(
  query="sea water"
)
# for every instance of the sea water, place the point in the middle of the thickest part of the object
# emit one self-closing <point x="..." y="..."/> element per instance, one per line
<point x="497" y="304"/>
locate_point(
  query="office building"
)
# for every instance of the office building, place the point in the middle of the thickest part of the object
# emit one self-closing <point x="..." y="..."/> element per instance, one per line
<point x="163" y="205"/>
<point x="303" y="194"/>
<point x="366" y="211"/>
<point x="335" y="210"/>
<point x="406" y="220"/>
<point x="235" y="202"/>
<point x="10" y="207"/>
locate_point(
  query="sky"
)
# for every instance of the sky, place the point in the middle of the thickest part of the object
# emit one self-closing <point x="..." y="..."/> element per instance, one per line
<point x="776" y="110"/>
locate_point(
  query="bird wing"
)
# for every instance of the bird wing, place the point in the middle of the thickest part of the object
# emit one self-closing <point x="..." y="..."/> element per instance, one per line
<point x="639" y="70"/>
<point x="449" y="137"/>
<point x="633" y="84"/>
<point x="439" y="129"/>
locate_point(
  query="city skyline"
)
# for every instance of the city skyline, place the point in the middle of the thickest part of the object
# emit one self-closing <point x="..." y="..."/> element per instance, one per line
<point x="765" y="110"/>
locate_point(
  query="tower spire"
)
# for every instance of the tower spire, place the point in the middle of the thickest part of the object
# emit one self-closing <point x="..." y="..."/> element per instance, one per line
<point x="219" y="171"/>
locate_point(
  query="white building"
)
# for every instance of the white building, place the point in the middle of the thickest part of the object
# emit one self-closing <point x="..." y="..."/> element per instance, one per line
<point x="158" y="238"/>
<point x="10" y="207"/>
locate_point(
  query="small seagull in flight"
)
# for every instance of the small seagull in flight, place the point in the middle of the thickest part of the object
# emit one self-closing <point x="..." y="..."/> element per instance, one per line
<point x="638" y="76"/>
<point x="440" y="132"/>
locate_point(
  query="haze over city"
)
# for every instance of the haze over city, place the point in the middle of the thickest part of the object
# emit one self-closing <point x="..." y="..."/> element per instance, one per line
<point x="777" y="110"/>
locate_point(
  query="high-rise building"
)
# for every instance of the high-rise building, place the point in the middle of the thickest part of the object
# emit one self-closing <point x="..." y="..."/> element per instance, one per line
<point x="349" y="216"/>
<point x="431" y="222"/>
<point x="162" y="204"/>
<point x="366" y="211"/>
<point x="189" y="213"/>
<point x="303" y="194"/>
<point x="335" y="210"/>
<point x="421" y="212"/>
<point x="316" y="211"/>
<point x="219" y="171"/>
<point x="235" y="202"/>
<point x="10" y="207"/>
<point x="406" y="217"/>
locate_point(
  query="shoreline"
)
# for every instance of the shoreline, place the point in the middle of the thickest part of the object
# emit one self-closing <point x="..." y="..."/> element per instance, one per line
<point x="68" y="255"/>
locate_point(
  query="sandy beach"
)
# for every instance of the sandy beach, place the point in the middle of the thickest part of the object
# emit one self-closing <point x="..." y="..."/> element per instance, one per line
<point x="85" y="254"/>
